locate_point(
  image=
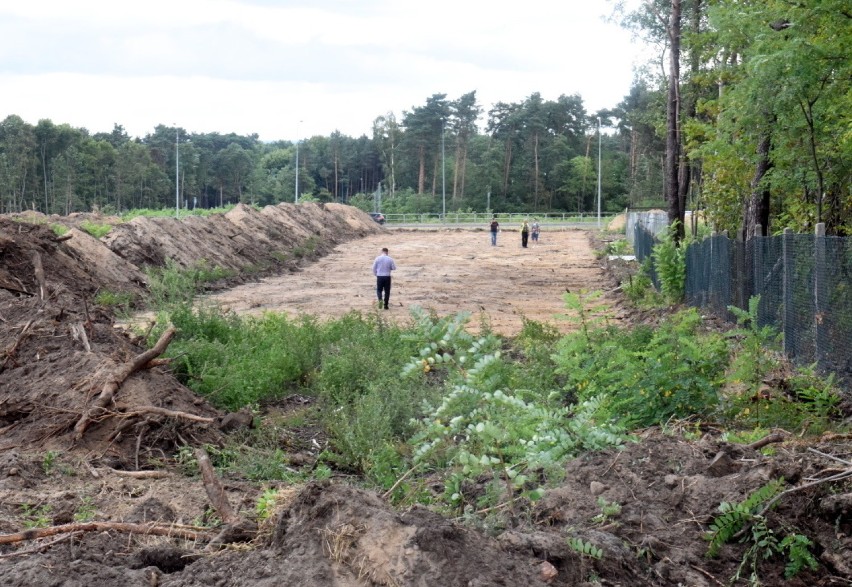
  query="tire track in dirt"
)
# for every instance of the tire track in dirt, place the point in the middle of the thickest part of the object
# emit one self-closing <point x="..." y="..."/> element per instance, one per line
<point x="445" y="270"/>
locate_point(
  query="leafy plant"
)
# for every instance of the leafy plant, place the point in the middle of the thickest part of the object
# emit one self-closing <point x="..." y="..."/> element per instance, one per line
<point x="584" y="548"/>
<point x="49" y="461"/>
<point x="747" y="519"/>
<point x="36" y="516"/>
<point x="670" y="262"/>
<point x="85" y="511"/>
<point x="609" y="510"/>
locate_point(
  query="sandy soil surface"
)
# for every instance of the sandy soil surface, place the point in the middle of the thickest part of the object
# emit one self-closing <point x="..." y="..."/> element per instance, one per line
<point x="448" y="271"/>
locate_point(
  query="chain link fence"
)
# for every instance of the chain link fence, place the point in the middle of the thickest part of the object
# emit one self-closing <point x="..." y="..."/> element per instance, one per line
<point x="804" y="283"/>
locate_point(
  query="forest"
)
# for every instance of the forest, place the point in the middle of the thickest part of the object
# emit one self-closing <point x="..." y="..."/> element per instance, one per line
<point x="745" y="115"/>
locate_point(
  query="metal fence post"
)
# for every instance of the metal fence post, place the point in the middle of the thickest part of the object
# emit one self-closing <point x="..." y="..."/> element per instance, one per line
<point x="789" y="325"/>
<point x="820" y="291"/>
<point x="757" y="278"/>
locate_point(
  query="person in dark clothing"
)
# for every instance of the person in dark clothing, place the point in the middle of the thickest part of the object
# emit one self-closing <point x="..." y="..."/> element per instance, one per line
<point x="382" y="267"/>
<point x="525" y="233"/>
<point x="495" y="228"/>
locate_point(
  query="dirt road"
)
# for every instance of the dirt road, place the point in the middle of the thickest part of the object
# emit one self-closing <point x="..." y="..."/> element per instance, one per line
<point x="446" y="270"/>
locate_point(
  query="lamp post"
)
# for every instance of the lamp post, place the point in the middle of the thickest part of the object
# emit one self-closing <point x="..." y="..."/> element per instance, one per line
<point x="599" y="171"/>
<point x="296" y="198"/>
<point x="177" y="173"/>
<point x="443" y="176"/>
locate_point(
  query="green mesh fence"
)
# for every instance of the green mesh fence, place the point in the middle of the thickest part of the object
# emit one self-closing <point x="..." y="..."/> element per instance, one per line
<point x="804" y="286"/>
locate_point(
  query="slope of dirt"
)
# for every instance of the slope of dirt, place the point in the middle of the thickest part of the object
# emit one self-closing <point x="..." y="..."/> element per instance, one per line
<point x="127" y="467"/>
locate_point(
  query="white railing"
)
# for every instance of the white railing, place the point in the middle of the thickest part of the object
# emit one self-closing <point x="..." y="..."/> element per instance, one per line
<point x="485" y="218"/>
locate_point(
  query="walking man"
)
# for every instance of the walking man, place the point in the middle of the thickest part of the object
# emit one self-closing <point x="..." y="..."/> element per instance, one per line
<point x="495" y="226"/>
<point x="382" y="267"/>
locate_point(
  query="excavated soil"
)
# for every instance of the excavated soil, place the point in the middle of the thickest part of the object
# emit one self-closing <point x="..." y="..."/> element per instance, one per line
<point x="59" y="350"/>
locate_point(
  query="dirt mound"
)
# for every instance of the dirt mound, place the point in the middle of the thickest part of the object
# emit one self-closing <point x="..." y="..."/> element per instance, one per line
<point x="244" y="239"/>
<point x="60" y="350"/>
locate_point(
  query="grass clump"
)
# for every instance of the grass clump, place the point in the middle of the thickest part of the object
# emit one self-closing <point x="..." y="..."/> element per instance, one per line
<point x="95" y="229"/>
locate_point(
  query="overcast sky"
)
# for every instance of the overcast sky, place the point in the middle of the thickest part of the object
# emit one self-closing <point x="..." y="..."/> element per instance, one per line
<point x="262" y="66"/>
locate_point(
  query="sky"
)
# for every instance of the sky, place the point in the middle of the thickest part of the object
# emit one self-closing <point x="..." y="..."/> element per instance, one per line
<point x="291" y="69"/>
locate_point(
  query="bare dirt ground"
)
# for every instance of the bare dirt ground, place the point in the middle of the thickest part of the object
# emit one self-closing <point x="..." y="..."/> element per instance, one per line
<point x="115" y="501"/>
<point x="447" y="271"/>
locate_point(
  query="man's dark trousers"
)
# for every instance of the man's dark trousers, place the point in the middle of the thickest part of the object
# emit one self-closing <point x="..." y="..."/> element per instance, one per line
<point x="383" y="284"/>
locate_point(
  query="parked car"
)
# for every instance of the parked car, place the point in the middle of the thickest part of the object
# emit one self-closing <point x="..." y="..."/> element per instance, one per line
<point x="378" y="217"/>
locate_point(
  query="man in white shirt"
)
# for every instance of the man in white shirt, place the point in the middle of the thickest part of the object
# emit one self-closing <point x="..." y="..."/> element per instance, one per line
<point x="382" y="267"/>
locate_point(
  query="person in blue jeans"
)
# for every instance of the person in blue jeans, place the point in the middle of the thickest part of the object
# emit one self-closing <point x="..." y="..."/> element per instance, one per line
<point x="382" y="267"/>
<point x="495" y="227"/>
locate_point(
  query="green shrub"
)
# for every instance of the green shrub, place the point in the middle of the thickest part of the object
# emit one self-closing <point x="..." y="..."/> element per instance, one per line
<point x="95" y="229"/>
<point x="670" y="262"/>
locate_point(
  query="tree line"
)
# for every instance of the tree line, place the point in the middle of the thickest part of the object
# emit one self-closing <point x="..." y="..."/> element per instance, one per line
<point x="533" y="156"/>
<point x="746" y="115"/>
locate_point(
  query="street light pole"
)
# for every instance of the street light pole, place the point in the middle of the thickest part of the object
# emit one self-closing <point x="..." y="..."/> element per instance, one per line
<point x="177" y="173"/>
<point x="599" y="171"/>
<point x="296" y="198"/>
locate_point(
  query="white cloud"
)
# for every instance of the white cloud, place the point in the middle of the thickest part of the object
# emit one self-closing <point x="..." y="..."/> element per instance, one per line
<point x="261" y="66"/>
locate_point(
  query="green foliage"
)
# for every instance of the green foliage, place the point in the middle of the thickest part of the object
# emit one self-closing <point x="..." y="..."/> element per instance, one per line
<point x="478" y="427"/>
<point x="265" y="504"/>
<point x="172" y="286"/>
<point x="734" y="516"/>
<point x="818" y="394"/>
<point x="95" y="229"/>
<point x="609" y="510"/>
<point x="584" y="548"/>
<point x="670" y="262"/>
<point x="85" y="511"/>
<point x="237" y="361"/>
<point x="642" y="377"/>
<point x="49" y="461"/>
<point x="59" y="229"/>
<point x="754" y="359"/>
<point x="639" y="288"/>
<point x="111" y="299"/>
<point x="748" y="520"/>
<point x="36" y="516"/>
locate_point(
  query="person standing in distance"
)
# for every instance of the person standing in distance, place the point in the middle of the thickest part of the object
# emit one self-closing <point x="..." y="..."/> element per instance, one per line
<point x="525" y="233"/>
<point x="495" y="226"/>
<point x="382" y="267"/>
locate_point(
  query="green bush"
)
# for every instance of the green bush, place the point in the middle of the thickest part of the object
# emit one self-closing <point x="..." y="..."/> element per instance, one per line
<point x="95" y="229"/>
<point x="670" y="262"/>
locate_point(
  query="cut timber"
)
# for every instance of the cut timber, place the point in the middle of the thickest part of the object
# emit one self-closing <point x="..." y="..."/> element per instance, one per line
<point x="125" y="371"/>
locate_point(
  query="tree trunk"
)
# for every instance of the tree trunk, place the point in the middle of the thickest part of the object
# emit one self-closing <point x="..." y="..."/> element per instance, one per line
<point x="672" y="183"/>
<point x="757" y="206"/>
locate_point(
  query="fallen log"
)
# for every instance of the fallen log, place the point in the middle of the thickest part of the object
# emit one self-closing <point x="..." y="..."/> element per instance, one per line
<point x="111" y="387"/>
<point x="150" y="528"/>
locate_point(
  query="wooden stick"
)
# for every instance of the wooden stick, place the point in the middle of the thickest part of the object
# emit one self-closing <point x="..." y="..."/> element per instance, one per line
<point x="152" y="528"/>
<point x="236" y="529"/>
<point x="214" y="489"/>
<point x="772" y="438"/>
<point x="39" y="273"/>
<point x="125" y="371"/>
<point x="10" y="352"/>
<point x="169" y="414"/>
<point x="78" y="332"/>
